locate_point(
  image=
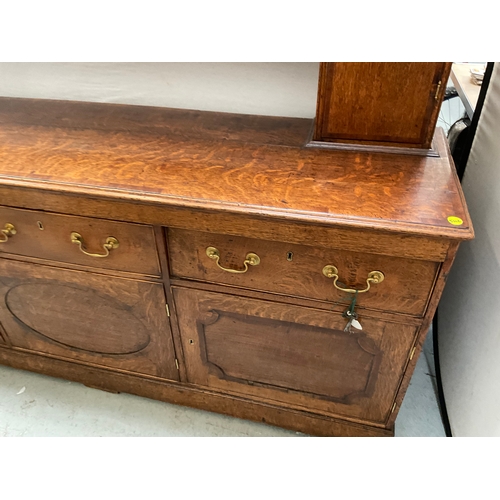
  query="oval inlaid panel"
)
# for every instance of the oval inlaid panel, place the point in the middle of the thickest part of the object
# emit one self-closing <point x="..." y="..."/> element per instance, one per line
<point x="80" y="318"/>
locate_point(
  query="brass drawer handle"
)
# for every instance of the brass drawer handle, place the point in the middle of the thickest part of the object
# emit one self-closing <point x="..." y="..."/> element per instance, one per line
<point x="7" y="231"/>
<point x="374" y="277"/>
<point x="111" y="244"/>
<point x="251" y="259"/>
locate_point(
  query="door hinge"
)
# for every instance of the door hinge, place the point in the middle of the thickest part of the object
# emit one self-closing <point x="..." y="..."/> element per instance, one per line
<point x="168" y="310"/>
<point x="393" y="407"/>
<point x="436" y="95"/>
<point x="413" y="352"/>
<point x="176" y="363"/>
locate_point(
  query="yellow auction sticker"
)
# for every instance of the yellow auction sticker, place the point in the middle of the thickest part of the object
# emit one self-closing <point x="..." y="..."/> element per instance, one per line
<point x="456" y="221"/>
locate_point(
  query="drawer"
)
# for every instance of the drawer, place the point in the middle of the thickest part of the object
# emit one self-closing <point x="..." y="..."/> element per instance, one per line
<point x="49" y="236"/>
<point x="297" y="270"/>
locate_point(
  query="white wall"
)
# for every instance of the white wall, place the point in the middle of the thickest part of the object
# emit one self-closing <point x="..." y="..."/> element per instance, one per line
<point x="469" y="312"/>
<point x="276" y="89"/>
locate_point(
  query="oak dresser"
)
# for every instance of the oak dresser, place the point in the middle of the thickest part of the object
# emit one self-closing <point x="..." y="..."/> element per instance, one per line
<point x="222" y="261"/>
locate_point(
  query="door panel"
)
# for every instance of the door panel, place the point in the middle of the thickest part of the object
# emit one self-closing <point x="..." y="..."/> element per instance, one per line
<point x="114" y="322"/>
<point x="387" y="103"/>
<point x="293" y="355"/>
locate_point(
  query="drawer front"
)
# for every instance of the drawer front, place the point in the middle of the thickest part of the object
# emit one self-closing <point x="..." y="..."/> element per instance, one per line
<point x="117" y="323"/>
<point x="49" y="236"/>
<point x="292" y="355"/>
<point x="297" y="270"/>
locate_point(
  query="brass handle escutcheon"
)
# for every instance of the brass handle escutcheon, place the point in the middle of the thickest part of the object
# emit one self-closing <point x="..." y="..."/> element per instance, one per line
<point x="251" y="259"/>
<point x="7" y="231"/>
<point x="374" y="277"/>
<point x="111" y="244"/>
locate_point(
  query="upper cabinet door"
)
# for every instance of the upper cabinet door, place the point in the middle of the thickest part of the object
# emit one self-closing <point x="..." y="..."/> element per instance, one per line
<point x="388" y="104"/>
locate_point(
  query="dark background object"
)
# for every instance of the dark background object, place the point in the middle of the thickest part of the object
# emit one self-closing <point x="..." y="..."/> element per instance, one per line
<point x="460" y="137"/>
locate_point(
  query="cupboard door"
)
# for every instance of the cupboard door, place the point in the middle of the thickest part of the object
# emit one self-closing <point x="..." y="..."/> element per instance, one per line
<point x="380" y="103"/>
<point x="294" y="355"/>
<point x="94" y="319"/>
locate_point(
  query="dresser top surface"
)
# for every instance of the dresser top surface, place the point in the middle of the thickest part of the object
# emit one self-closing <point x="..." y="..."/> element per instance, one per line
<point x="218" y="161"/>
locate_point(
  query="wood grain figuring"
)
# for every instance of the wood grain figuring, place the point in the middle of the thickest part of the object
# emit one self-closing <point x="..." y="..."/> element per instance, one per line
<point x="382" y="350"/>
<point x="178" y="124"/>
<point x="103" y="320"/>
<point x="380" y="103"/>
<point x="305" y="421"/>
<point x="47" y="236"/>
<point x="276" y="229"/>
<point x="296" y="270"/>
<point x="407" y="194"/>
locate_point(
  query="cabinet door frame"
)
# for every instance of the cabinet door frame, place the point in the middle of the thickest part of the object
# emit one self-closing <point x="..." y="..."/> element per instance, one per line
<point x="196" y="309"/>
<point x="112" y="305"/>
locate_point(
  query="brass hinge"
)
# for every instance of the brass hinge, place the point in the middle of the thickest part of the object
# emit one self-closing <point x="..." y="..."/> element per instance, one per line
<point x="176" y="363"/>
<point x="393" y="407"/>
<point x="436" y="96"/>
<point x="413" y="352"/>
<point x="168" y="310"/>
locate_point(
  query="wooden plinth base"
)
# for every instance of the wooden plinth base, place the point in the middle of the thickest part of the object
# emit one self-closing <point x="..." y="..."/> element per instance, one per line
<point x="171" y="392"/>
